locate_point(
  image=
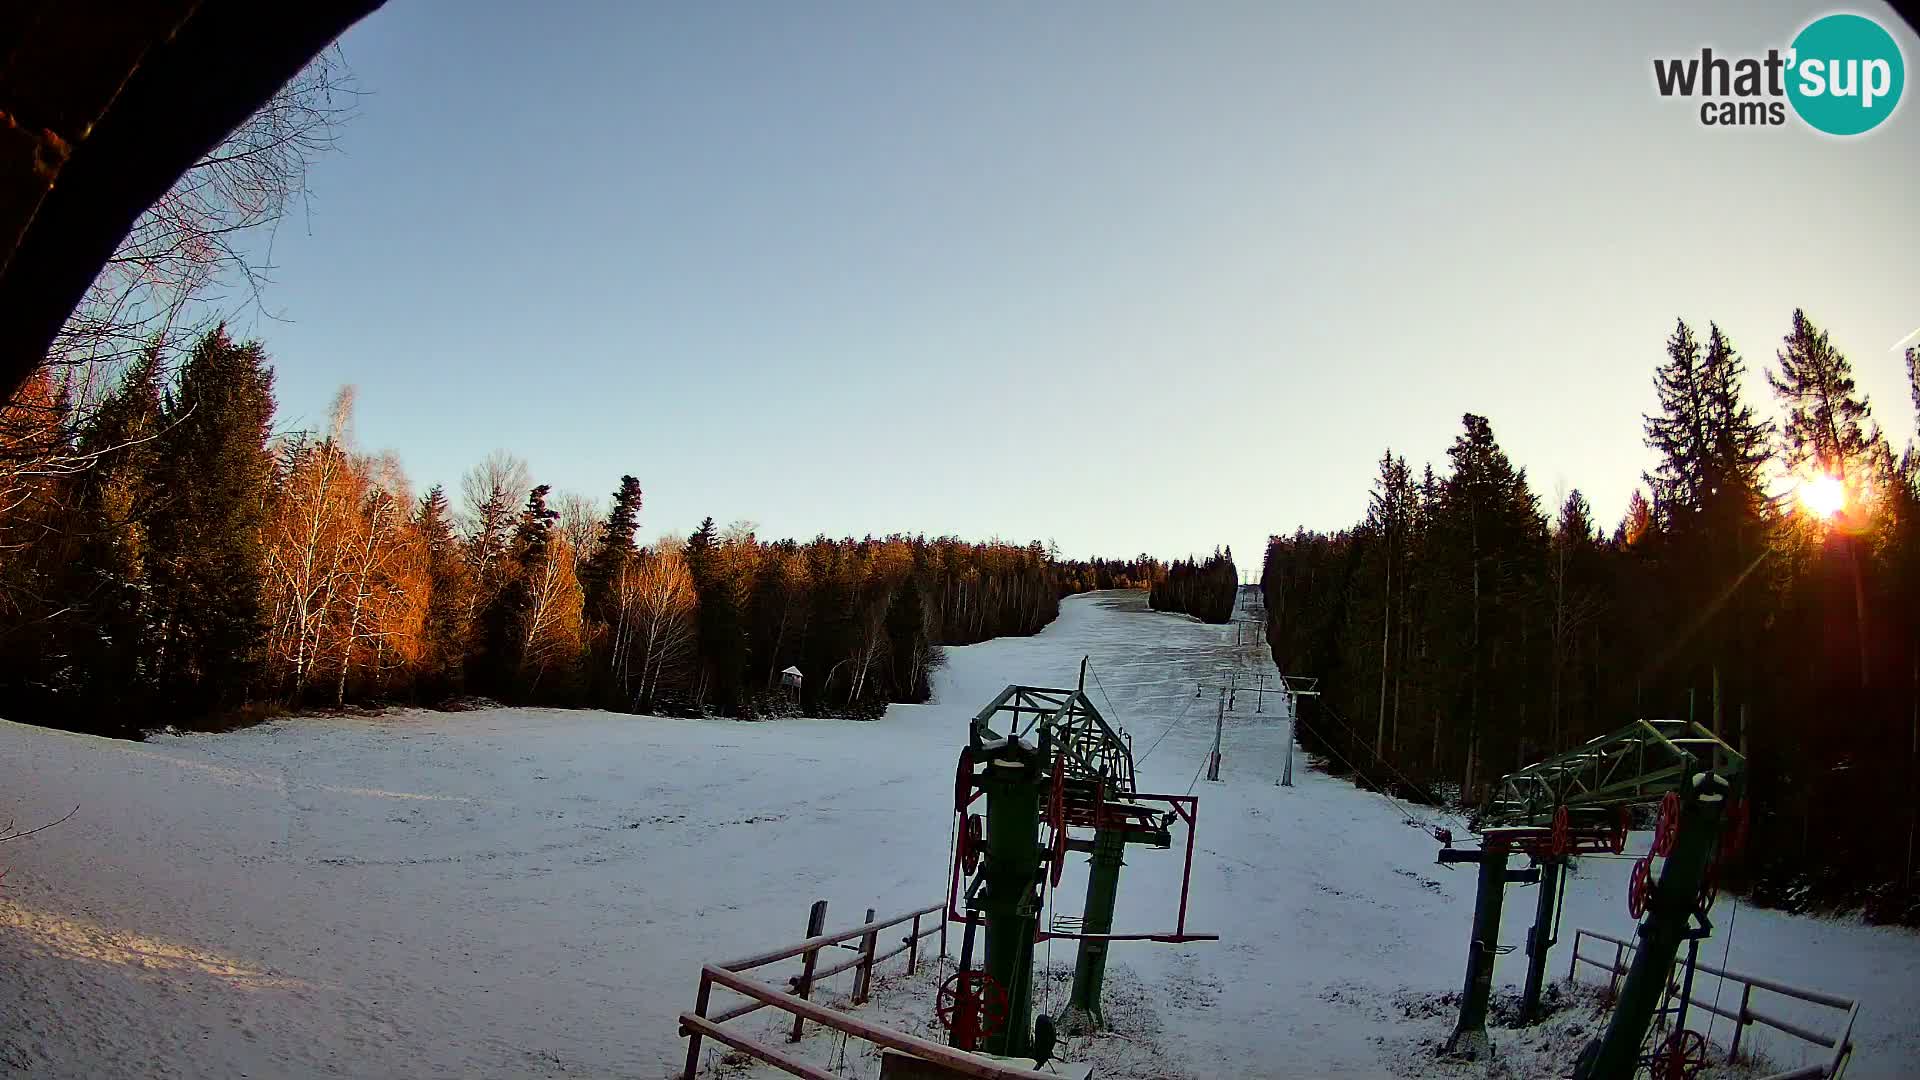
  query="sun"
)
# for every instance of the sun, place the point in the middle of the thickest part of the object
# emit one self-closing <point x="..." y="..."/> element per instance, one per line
<point x="1823" y="495"/>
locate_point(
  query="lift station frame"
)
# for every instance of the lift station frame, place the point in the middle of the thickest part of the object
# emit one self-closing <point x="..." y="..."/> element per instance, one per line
<point x="1054" y="761"/>
<point x="1579" y="802"/>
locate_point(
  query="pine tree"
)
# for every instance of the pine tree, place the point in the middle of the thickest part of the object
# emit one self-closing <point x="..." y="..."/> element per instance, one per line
<point x="1824" y="417"/>
<point x="1679" y="433"/>
<point x="721" y="633"/>
<point x="1824" y="430"/>
<point x="206" y="571"/>
<point x="1913" y="381"/>
<point x="613" y="549"/>
<point x="447" y="624"/>
<point x="1493" y="536"/>
<point x="1709" y="504"/>
<point x="1390" y="509"/>
<point x="1636" y="523"/>
<point x="104" y="637"/>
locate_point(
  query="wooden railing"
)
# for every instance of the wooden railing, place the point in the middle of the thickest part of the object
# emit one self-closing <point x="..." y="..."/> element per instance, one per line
<point x="1841" y="1044"/>
<point x="697" y="1024"/>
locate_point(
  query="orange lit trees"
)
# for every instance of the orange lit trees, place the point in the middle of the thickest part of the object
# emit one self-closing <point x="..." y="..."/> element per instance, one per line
<point x="658" y="613"/>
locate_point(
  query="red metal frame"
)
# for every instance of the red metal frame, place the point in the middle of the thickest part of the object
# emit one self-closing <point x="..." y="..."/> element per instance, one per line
<point x="1187" y="807"/>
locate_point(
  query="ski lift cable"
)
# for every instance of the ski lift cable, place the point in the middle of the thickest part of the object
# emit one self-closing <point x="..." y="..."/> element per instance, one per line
<point x="1725" y="955"/>
<point x="1095" y="672"/>
<point x="1328" y="708"/>
<point x="1196" y="773"/>
<point x="1405" y="812"/>
<point x="1169" y="730"/>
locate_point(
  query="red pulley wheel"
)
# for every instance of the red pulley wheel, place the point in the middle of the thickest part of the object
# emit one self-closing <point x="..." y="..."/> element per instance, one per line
<point x="972" y="1005"/>
<point x="1059" y="859"/>
<point x="1640" y="887"/>
<point x="963" y="781"/>
<point x="1562" y="832"/>
<point x="1667" y="829"/>
<point x="972" y="842"/>
<point x="1682" y="1056"/>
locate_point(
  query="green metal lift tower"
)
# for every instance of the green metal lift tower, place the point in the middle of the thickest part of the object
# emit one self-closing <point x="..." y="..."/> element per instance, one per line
<point x="1580" y="801"/>
<point x="1052" y="761"/>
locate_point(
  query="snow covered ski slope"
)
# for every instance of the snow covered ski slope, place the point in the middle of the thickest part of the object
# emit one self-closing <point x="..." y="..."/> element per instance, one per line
<point x="531" y="892"/>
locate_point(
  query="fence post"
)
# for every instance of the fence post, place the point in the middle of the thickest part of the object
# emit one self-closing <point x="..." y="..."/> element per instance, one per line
<point x="1575" y="961"/>
<point x="1740" y="1028"/>
<point x="816" y="925"/>
<point x="863" y="972"/>
<point x="1613" y="976"/>
<point x="944" y="920"/>
<point x="693" y="1038"/>
<point x="913" y="945"/>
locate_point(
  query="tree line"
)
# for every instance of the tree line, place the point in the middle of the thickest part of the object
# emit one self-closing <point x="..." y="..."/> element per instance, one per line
<point x="186" y="563"/>
<point x="1205" y="590"/>
<point x="1086" y="575"/>
<point x="1764" y="581"/>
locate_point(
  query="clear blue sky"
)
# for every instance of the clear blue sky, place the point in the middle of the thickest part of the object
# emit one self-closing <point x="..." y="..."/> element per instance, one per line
<point x="1129" y="276"/>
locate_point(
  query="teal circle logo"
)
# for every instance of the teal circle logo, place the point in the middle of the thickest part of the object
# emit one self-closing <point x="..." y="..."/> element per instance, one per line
<point x="1845" y="74"/>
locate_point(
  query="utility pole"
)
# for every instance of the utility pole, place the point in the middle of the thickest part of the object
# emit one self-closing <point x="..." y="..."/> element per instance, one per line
<point x="1293" y="695"/>
<point x="1219" y="721"/>
<point x="1286" y="773"/>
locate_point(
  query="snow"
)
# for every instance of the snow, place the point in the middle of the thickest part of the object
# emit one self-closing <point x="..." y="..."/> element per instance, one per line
<point x="519" y="892"/>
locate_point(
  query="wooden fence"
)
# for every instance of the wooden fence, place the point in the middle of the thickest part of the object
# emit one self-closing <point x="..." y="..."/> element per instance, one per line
<point x="794" y="998"/>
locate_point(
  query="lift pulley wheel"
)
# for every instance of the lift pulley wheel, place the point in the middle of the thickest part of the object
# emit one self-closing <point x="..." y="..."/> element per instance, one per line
<point x="972" y="1005"/>
<point x="972" y="842"/>
<point x="1562" y="833"/>
<point x="963" y="781"/>
<point x="1667" y="829"/>
<point x="1682" y="1056"/>
<point x="1620" y="828"/>
<point x="1640" y="887"/>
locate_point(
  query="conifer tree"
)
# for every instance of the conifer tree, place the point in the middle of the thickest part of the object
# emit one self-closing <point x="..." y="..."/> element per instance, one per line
<point x="1913" y="380"/>
<point x="1493" y="539"/>
<point x="448" y="578"/>
<point x="1824" y="415"/>
<point x="1824" y="431"/>
<point x="720" y="634"/>
<point x="613" y="549"/>
<point x="206" y="571"/>
<point x="104" y="637"/>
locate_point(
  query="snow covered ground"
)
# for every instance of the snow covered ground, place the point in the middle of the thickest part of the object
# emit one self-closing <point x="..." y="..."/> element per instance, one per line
<point x="532" y="892"/>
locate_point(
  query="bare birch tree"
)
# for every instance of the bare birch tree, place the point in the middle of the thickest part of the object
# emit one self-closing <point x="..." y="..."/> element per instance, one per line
<point x="662" y="604"/>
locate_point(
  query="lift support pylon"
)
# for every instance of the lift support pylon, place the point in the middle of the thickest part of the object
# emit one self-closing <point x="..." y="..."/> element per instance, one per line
<point x="1568" y="804"/>
<point x="1054" y="761"/>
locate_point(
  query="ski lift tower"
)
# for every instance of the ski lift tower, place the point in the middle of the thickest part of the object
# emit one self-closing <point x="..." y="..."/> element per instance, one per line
<point x="1580" y="801"/>
<point x="1051" y="760"/>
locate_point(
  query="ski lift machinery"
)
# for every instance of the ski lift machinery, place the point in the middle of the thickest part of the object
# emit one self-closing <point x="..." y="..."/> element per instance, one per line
<point x="1044" y="756"/>
<point x="1581" y="802"/>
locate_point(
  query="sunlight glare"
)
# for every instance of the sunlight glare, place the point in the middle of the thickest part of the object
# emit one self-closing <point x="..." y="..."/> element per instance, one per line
<point x="1823" y="495"/>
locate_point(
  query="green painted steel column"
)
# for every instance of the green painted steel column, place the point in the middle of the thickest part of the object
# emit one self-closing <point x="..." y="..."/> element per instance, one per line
<point x="1616" y="1054"/>
<point x="1012" y="870"/>
<point x="1469" y="1037"/>
<point x="1540" y="938"/>
<point x="1090" y="966"/>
